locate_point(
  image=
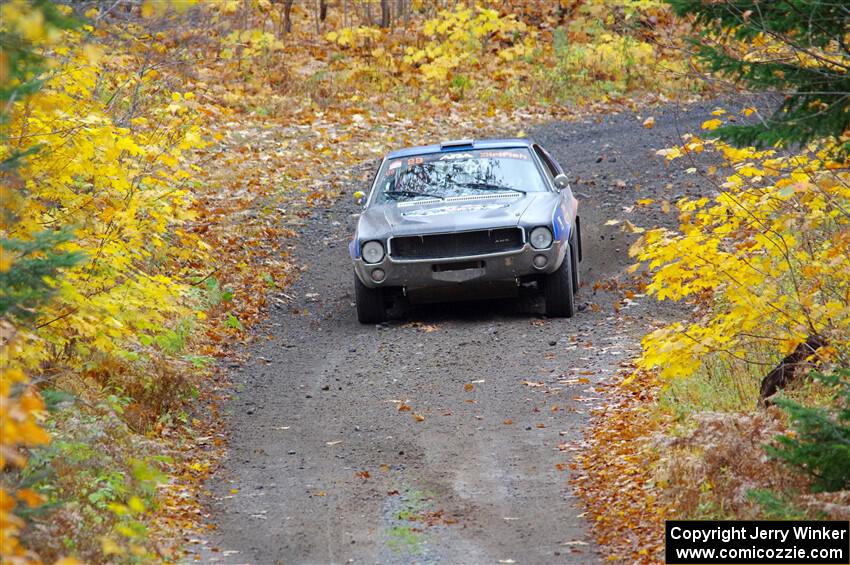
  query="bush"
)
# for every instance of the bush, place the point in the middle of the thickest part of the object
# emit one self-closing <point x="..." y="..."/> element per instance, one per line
<point x="821" y="443"/>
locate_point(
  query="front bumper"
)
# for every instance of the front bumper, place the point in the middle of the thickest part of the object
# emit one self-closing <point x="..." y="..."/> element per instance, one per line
<point x="431" y="273"/>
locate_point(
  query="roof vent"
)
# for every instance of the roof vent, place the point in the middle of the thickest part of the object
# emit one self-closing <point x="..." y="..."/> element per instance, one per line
<point x="457" y="143"/>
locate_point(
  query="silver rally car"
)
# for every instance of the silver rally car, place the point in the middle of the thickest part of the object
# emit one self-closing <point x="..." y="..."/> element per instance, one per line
<point x="467" y="213"/>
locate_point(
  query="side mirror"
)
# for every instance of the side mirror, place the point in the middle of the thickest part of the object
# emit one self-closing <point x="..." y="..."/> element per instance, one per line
<point x="359" y="197"/>
<point x="562" y="181"/>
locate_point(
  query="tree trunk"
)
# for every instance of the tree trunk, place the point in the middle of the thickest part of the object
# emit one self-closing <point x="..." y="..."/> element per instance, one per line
<point x="369" y="17"/>
<point x="287" y="16"/>
<point x="323" y="9"/>
<point x="788" y="369"/>
<point x="385" y="13"/>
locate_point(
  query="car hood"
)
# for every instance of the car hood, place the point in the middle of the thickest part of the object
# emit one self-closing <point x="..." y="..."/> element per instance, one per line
<point x="459" y="213"/>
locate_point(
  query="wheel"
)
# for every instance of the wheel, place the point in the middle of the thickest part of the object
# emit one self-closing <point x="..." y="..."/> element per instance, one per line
<point x="558" y="290"/>
<point x="574" y="246"/>
<point x="370" y="303"/>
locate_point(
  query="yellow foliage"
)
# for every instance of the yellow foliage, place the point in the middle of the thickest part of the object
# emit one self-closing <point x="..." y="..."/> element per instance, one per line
<point x="357" y="37"/>
<point x="766" y="263"/>
<point x="458" y="36"/>
<point x="121" y="183"/>
<point x="124" y="190"/>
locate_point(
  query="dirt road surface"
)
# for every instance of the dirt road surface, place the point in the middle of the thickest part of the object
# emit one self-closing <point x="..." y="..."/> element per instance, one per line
<point x="445" y="435"/>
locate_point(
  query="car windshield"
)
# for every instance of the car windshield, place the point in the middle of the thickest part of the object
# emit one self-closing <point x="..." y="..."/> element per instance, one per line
<point x="458" y="173"/>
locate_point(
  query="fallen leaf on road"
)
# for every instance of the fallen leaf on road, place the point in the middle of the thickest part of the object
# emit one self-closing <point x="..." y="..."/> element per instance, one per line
<point x="427" y="328"/>
<point x="468" y="387"/>
<point x="419" y="417"/>
<point x="508" y="422"/>
<point x="404" y="407"/>
<point x="532" y="385"/>
<point x="649" y="123"/>
<point x="629" y="227"/>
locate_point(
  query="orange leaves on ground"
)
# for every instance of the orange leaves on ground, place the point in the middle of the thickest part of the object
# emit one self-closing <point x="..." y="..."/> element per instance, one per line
<point x="615" y="478"/>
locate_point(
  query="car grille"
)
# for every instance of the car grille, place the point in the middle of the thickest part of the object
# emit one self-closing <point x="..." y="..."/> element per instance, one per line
<point x="461" y="244"/>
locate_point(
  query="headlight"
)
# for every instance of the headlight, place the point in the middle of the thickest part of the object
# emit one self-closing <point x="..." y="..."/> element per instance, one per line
<point x="373" y="251"/>
<point x="541" y="238"/>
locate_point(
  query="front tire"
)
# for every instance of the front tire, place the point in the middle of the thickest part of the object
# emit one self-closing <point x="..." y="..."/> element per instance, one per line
<point x="558" y="289"/>
<point x="370" y="303"/>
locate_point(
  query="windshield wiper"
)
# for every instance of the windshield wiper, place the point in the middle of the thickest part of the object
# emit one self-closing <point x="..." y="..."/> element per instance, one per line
<point x="490" y="186"/>
<point x="413" y="193"/>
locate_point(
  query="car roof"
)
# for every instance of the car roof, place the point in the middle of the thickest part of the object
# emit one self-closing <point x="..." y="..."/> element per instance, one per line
<point x="446" y="147"/>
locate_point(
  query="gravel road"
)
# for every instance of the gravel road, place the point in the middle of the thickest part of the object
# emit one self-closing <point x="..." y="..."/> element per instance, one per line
<point x="445" y="435"/>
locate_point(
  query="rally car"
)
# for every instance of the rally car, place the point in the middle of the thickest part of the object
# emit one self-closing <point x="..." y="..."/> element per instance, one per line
<point x="464" y="213"/>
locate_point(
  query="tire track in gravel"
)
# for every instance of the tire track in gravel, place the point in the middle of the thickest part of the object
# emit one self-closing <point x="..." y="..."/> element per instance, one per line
<point x="326" y="468"/>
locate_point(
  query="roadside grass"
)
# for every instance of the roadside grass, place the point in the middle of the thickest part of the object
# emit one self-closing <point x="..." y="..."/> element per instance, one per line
<point x="718" y="386"/>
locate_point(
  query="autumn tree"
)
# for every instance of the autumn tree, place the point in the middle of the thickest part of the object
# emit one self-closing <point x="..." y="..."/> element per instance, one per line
<point x="28" y="265"/>
<point x="796" y="48"/>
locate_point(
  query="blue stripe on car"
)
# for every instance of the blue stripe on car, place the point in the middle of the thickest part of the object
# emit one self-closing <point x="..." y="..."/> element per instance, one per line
<point x="557" y="222"/>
